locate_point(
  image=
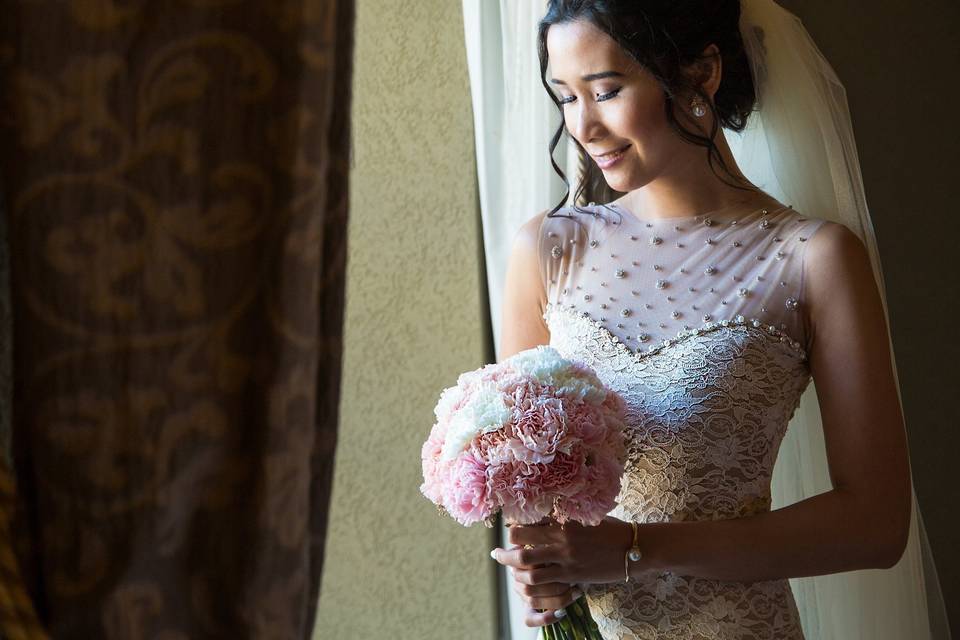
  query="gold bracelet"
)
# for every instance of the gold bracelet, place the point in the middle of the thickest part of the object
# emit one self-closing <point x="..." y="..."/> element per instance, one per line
<point x="633" y="553"/>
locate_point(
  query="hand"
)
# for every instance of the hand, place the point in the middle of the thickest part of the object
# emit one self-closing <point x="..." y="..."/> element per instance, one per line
<point x="546" y="603"/>
<point x="572" y="554"/>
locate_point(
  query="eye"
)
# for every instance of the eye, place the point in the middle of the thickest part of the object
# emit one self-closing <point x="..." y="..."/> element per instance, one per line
<point x="600" y="98"/>
<point x="607" y="96"/>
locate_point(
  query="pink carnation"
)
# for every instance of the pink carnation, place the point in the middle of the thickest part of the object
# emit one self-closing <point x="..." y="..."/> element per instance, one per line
<point x="433" y="481"/>
<point x="467" y="493"/>
<point x="538" y="425"/>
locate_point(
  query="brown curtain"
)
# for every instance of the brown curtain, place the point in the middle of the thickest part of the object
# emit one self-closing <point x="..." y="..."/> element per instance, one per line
<point x="174" y="180"/>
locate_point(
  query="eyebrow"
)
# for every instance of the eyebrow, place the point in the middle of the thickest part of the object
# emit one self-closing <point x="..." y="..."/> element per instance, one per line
<point x="593" y="76"/>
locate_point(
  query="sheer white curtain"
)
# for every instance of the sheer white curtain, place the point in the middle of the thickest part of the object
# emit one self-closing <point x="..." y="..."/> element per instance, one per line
<point x="514" y="121"/>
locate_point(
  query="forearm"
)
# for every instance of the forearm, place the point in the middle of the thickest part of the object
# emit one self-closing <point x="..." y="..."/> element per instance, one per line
<point x="817" y="536"/>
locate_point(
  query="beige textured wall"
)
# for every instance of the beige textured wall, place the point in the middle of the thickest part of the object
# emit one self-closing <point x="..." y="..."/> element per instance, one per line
<point x="414" y="321"/>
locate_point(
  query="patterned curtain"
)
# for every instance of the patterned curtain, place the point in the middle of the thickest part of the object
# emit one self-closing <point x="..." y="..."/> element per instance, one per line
<point x="174" y="184"/>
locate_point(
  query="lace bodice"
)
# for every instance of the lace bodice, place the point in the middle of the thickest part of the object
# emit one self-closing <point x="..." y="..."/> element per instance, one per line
<point x="698" y="322"/>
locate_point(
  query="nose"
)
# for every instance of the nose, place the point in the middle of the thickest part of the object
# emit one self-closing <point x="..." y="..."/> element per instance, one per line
<point x="585" y="123"/>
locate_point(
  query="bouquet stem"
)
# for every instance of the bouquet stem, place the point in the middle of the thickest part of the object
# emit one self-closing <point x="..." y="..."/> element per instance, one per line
<point x="578" y="624"/>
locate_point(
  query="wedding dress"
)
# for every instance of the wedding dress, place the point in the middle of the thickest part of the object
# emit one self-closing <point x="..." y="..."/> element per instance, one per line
<point x="698" y="323"/>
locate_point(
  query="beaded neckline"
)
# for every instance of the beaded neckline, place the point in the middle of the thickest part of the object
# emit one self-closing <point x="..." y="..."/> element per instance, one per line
<point x="719" y="216"/>
<point x="769" y="331"/>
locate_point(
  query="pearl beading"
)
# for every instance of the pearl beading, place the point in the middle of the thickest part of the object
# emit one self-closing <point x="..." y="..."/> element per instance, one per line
<point x="609" y="286"/>
<point x="769" y="331"/>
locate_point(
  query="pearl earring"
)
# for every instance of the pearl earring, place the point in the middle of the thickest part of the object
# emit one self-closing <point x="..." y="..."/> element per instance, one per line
<point x="698" y="106"/>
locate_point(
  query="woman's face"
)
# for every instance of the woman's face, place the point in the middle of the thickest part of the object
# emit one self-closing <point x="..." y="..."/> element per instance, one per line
<point x="611" y="103"/>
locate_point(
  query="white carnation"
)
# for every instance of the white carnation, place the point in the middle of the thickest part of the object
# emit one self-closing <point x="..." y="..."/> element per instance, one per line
<point x="449" y="397"/>
<point x="485" y="412"/>
<point x="542" y="362"/>
<point x="547" y="365"/>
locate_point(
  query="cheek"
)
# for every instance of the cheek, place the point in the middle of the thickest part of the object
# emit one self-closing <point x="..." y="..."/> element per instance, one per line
<point x="645" y="124"/>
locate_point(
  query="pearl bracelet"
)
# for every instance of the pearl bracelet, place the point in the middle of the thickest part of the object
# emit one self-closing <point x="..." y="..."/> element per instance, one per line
<point x="633" y="553"/>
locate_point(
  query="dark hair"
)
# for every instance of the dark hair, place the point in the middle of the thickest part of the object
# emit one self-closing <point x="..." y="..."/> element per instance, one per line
<point x="663" y="36"/>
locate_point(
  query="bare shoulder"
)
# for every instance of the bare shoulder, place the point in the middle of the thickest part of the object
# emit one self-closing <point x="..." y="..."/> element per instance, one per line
<point x="528" y="236"/>
<point x="836" y="258"/>
<point x="839" y="284"/>
<point x="525" y="269"/>
<point x="525" y="293"/>
<point x="834" y="242"/>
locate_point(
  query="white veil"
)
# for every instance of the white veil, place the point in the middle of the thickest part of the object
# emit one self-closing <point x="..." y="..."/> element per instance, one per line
<point x="800" y="148"/>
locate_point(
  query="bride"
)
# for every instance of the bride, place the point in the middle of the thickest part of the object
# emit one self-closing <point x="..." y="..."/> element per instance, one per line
<point x="644" y="89"/>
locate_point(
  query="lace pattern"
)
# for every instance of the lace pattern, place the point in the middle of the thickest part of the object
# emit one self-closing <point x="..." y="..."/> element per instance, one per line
<point x="706" y="413"/>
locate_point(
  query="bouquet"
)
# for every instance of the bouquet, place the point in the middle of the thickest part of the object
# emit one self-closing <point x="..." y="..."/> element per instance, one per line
<point x="535" y="436"/>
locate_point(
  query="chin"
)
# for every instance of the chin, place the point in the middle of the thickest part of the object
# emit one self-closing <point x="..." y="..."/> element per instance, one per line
<point x="622" y="183"/>
<point x="630" y="177"/>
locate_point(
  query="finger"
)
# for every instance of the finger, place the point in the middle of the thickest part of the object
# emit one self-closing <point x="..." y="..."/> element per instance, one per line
<point x="559" y="601"/>
<point x="540" y="575"/>
<point x="551" y="589"/>
<point x="536" y="618"/>
<point x="545" y="520"/>
<point x="536" y="534"/>
<point x="525" y="558"/>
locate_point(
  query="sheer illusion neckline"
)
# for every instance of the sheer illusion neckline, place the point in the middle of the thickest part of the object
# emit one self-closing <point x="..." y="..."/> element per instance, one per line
<point x="723" y="214"/>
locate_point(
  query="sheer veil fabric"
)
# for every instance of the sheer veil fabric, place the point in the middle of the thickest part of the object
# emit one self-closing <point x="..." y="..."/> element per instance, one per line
<point x="799" y="147"/>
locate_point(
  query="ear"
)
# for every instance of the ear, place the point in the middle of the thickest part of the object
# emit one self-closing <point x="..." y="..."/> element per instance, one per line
<point x="708" y="70"/>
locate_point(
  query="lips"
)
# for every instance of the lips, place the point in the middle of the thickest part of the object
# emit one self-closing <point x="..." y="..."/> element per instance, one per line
<point x="610" y="159"/>
<point x="609" y="154"/>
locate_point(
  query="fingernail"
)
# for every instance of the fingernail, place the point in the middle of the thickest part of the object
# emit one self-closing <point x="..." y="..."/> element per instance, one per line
<point x="577" y="594"/>
<point x="493" y="554"/>
<point x="559" y="613"/>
